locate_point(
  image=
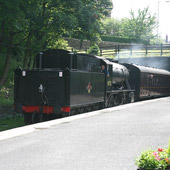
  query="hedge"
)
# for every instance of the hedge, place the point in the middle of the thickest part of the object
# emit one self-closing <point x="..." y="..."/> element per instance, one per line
<point x="122" y="40"/>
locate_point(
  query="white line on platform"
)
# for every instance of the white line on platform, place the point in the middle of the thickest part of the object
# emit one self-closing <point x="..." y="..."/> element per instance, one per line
<point x="45" y="125"/>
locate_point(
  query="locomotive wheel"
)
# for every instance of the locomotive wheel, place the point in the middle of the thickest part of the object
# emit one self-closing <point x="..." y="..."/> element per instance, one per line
<point x="97" y="107"/>
<point x="28" y="118"/>
<point x="131" y="97"/>
<point x="101" y="106"/>
<point x="115" y="100"/>
<point x="88" y="108"/>
<point x="65" y="114"/>
<point x="73" y="112"/>
<point x="110" y="101"/>
<point x="35" y="118"/>
<point x="80" y="110"/>
<point x="93" y="108"/>
<point x="118" y="100"/>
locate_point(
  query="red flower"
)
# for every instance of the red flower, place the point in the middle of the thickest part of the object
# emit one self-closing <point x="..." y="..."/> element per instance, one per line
<point x="160" y="149"/>
<point x="166" y="159"/>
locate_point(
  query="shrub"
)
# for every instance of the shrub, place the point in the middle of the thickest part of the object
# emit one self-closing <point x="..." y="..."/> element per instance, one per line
<point x="6" y="97"/>
<point x="122" y="39"/>
<point x="94" y="49"/>
<point x="153" y="159"/>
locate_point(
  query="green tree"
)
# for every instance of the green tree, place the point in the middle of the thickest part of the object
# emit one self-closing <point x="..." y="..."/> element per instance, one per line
<point x="89" y="16"/>
<point x="27" y="27"/>
<point x="141" y="26"/>
<point x="11" y="25"/>
<point x="111" y="26"/>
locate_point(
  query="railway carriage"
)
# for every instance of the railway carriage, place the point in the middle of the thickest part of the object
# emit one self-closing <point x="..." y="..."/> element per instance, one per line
<point x="148" y="82"/>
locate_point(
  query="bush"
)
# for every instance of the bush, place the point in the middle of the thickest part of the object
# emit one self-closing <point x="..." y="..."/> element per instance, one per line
<point x="151" y="159"/>
<point x="122" y="39"/>
<point x="6" y="97"/>
<point x="94" y="49"/>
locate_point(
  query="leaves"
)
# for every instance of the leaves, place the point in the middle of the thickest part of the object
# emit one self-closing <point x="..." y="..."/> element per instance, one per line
<point x="168" y="151"/>
<point x="39" y="24"/>
<point x="151" y="159"/>
<point x="143" y="24"/>
<point x="140" y="26"/>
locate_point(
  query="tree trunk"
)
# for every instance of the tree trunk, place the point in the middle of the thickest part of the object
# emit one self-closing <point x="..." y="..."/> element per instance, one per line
<point x="30" y="65"/>
<point x="26" y="58"/>
<point x="7" y="63"/>
<point x="27" y="51"/>
<point x="2" y="34"/>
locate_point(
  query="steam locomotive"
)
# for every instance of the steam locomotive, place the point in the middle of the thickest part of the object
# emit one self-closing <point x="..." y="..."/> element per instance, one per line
<point x="64" y="84"/>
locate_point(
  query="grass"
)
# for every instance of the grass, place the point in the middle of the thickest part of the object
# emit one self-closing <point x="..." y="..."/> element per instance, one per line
<point x="7" y="120"/>
<point x="10" y="123"/>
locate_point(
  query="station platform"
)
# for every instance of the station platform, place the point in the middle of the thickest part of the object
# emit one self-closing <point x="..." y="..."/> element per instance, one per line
<point x="109" y="139"/>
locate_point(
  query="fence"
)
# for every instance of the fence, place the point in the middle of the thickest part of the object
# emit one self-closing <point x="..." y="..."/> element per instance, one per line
<point x="137" y="50"/>
<point x="134" y="50"/>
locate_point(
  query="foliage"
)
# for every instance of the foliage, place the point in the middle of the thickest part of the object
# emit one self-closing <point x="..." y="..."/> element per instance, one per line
<point x="140" y="27"/>
<point x="168" y="151"/>
<point x="6" y="96"/>
<point x="27" y="27"/>
<point x="122" y="39"/>
<point x="111" y="26"/>
<point x="10" y="123"/>
<point x="89" y="15"/>
<point x="151" y="159"/>
<point x="94" y="49"/>
<point x="60" y="44"/>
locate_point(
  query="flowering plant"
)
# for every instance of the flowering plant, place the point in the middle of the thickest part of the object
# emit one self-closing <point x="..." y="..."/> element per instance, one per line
<point x="154" y="159"/>
<point x="151" y="159"/>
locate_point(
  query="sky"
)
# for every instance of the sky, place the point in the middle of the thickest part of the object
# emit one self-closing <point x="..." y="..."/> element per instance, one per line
<point x="122" y="7"/>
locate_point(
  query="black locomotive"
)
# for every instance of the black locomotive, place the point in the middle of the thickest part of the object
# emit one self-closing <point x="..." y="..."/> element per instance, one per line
<point x="64" y="84"/>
